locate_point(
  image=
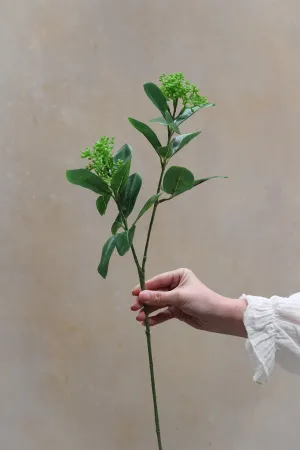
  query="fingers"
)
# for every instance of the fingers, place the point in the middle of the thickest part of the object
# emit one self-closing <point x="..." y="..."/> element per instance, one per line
<point x="162" y="281"/>
<point x="142" y="315"/>
<point x="159" y="299"/>
<point x="138" y="305"/>
<point x="164" y="316"/>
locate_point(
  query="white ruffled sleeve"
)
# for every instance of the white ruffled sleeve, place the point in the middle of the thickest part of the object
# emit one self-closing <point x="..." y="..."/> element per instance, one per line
<point x="273" y="328"/>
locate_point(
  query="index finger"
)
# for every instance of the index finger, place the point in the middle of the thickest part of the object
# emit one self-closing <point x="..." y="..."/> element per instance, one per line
<point x="167" y="280"/>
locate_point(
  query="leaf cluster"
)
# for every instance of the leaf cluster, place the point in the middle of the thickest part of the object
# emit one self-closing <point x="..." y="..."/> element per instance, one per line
<point x="109" y="174"/>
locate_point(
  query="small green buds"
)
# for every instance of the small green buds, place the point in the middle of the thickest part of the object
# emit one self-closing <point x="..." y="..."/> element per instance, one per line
<point x="175" y="87"/>
<point x="100" y="158"/>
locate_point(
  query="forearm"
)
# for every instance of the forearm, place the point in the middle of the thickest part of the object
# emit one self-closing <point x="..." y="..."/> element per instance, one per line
<point x="232" y="317"/>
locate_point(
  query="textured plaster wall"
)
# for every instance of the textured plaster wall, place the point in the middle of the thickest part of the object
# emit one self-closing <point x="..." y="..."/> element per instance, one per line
<point x="73" y="370"/>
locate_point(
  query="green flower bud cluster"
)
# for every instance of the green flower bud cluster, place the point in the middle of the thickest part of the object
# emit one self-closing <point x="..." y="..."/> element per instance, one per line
<point x="101" y="159"/>
<point x="175" y="87"/>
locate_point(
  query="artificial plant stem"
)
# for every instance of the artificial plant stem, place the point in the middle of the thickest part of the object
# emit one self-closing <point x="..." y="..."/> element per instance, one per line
<point x="141" y="274"/>
<point x="175" y="104"/>
<point x="136" y="260"/>
<point x="146" y="310"/>
<point x="138" y="266"/>
<point x="151" y="368"/>
<point x="163" y="167"/>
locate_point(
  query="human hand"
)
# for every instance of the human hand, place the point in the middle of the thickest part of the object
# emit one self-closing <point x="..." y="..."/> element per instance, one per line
<point x="181" y="295"/>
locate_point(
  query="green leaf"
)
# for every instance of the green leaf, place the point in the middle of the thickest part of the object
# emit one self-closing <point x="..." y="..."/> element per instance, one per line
<point x="187" y="113"/>
<point x="174" y="127"/>
<point x="129" y="193"/>
<point x="171" y="123"/>
<point x="168" y="121"/>
<point x="156" y="97"/>
<point x="146" y="131"/>
<point x="107" y="251"/>
<point x="118" y="223"/>
<point x="123" y="154"/>
<point x="202" y="180"/>
<point x="102" y="203"/>
<point x="160" y="120"/>
<point x="181" y="141"/>
<point x="148" y="205"/>
<point x="164" y="152"/>
<point x="124" y="240"/>
<point x="120" y="177"/>
<point x="87" y="179"/>
<point x="131" y="233"/>
<point x="122" y="243"/>
<point x="177" y="180"/>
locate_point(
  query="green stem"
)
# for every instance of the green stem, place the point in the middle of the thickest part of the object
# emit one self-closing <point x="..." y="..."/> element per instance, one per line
<point x="151" y="368"/>
<point x="139" y="269"/>
<point x="141" y="274"/>
<point x="163" y="167"/>
<point x="175" y="104"/>
<point x="146" y="310"/>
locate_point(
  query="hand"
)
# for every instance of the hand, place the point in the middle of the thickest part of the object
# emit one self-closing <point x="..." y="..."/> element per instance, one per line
<point x="180" y="295"/>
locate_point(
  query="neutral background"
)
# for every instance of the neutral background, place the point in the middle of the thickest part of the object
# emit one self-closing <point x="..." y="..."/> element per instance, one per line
<point x="74" y="371"/>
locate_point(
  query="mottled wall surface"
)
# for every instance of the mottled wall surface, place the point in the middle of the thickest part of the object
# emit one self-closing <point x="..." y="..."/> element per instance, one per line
<point x="74" y="371"/>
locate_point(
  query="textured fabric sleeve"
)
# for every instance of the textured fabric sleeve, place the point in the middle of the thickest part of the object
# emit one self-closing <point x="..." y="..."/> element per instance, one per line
<point x="273" y="328"/>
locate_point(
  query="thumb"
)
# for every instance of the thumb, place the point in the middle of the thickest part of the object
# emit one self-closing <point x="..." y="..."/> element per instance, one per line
<point x="159" y="299"/>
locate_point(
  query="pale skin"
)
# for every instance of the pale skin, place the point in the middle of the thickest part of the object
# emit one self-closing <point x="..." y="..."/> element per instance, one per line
<point x="179" y="294"/>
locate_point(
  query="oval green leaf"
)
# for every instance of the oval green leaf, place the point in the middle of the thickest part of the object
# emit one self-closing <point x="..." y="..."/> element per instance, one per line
<point x="107" y="251"/>
<point x="87" y="179"/>
<point x="122" y="243"/>
<point x="101" y="203"/>
<point x="120" y="177"/>
<point x="165" y="152"/>
<point x="150" y="202"/>
<point x="123" y="154"/>
<point x="129" y="193"/>
<point x="146" y="131"/>
<point x="124" y="240"/>
<point x="156" y="97"/>
<point x="177" y="180"/>
<point x="181" y="141"/>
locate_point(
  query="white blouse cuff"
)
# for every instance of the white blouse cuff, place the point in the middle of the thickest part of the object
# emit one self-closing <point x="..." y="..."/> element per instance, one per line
<point x="273" y="328"/>
<point x="260" y="324"/>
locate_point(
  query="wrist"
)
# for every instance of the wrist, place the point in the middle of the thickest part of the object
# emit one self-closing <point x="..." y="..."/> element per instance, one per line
<point x="232" y="315"/>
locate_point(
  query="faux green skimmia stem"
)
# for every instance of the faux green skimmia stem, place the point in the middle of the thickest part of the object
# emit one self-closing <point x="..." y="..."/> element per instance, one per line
<point x="148" y="334"/>
<point x="108" y="175"/>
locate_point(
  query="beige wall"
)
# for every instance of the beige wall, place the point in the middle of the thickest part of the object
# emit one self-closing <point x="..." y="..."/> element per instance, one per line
<point x="73" y="366"/>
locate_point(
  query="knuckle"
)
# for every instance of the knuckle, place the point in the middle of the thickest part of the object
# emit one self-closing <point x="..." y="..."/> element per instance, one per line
<point x="156" y="298"/>
<point x="186" y="273"/>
